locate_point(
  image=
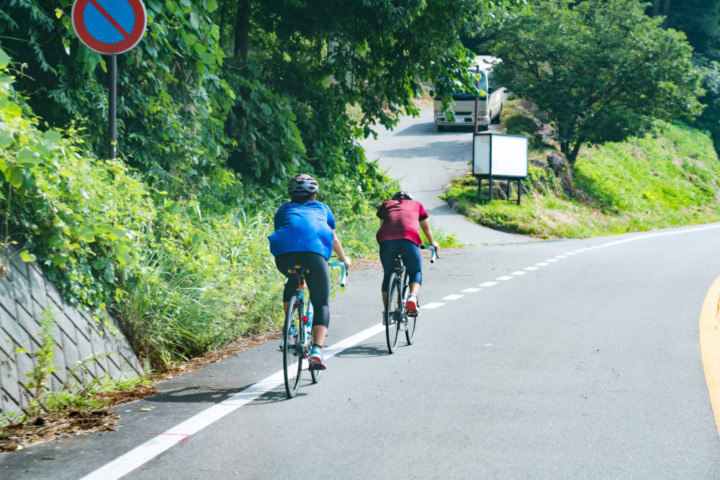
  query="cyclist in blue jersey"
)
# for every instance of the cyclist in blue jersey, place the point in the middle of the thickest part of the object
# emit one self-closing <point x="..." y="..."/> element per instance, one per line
<point x="305" y="235"/>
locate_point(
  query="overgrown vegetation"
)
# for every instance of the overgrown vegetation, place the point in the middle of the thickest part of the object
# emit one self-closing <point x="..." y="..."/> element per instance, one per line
<point x="180" y="275"/>
<point x="71" y="395"/>
<point x="670" y="177"/>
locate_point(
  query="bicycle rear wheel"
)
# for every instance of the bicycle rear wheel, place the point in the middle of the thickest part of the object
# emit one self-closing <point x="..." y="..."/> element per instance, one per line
<point x="293" y="347"/>
<point x="393" y="312"/>
<point x="410" y="320"/>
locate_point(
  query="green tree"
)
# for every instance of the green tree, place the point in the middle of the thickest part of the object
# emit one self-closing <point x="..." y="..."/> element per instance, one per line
<point x="699" y="19"/>
<point x="601" y="70"/>
<point x="299" y="64"/>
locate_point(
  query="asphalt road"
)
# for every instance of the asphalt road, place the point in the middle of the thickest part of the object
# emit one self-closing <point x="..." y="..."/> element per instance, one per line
<point x="533" y="360"/>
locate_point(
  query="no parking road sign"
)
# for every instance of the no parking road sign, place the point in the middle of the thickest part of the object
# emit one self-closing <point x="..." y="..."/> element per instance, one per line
<point x="109" y="26"/>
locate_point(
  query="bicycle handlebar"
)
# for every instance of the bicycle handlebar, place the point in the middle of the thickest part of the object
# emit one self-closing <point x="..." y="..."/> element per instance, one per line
<point x="343" y="273"/>
<point x="433" y="255"/>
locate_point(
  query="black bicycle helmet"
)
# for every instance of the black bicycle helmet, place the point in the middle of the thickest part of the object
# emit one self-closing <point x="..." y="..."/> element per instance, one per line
<point x="402" y="195"/>
<point x="302" y="183"/>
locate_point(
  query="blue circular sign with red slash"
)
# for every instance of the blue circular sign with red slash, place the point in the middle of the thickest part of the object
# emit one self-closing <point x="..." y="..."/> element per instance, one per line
<point x="109" y="26"/>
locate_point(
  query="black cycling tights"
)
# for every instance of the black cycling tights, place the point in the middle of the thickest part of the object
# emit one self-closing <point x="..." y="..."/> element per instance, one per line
<point x="318" y="281"/>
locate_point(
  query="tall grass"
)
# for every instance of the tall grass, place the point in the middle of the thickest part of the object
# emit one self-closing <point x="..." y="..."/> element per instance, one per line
<point x="181" y="300"/>
<point x="669" y="178"/>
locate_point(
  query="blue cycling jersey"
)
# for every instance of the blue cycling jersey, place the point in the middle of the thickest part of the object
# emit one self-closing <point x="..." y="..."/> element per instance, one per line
<point x="303" y="227"/>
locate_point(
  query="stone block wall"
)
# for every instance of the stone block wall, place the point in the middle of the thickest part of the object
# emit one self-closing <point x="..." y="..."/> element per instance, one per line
<point x="84" y="348"/>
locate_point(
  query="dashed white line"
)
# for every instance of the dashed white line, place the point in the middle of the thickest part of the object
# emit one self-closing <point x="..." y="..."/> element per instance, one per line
<point x="504" y="279"/>
<point x="542" y="264"/>
<point x="518" y="273"/>
<point x="488" y="284"/>
<point x="551" y="260"/>
<point x="530" y="269"/>
<point x="453" y="297"/>
<point x="431" y="306"/>
<point x="471" y="290"/>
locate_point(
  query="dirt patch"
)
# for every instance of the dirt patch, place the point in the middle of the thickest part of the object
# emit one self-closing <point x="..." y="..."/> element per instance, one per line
<point x="52" y="426"/>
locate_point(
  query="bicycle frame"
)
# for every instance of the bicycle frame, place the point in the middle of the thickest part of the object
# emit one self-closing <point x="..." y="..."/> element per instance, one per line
<point x="297" y="332"/>
<point x="397" y="316"/>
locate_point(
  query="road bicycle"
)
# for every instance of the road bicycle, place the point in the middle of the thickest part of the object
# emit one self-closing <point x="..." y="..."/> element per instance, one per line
<point x="396" y="316"/>
<point x="297" y="338"/>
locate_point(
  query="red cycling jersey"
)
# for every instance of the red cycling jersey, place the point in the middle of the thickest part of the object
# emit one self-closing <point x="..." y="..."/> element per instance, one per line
<point x="401" y="219"/>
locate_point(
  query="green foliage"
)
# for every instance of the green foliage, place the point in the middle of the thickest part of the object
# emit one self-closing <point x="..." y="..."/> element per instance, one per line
<point x="52" y="203"/>
<point x="601" y="70"/>
<point x="670" y="177"/>
<point x="698" y="19"/>
<point x="171" y="98"/>
<point x="269" y="126"/>
<point x="710" y="118"/>
<point x="519" y="125"/>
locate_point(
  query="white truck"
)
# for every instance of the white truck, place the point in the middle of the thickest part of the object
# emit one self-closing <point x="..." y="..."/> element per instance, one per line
<point x="463" y="103"/>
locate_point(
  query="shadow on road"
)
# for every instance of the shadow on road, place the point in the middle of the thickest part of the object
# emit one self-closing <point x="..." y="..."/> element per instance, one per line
<point x="196" y="395"/>
<point x="433" y="151"/>
<point x="366" y="350"/>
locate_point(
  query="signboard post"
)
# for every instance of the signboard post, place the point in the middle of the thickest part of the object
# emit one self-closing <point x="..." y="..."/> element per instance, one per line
<point x="110" y="27"/>
<point x="502" y="157"/>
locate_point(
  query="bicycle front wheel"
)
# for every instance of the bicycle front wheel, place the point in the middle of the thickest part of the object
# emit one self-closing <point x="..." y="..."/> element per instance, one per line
<point x="410" y="320"/>
<point x="393" y="312"/>
<point x="293" y="347"/>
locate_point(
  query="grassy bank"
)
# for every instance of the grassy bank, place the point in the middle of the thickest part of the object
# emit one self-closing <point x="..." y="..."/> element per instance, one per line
<point x="666" y="179"/>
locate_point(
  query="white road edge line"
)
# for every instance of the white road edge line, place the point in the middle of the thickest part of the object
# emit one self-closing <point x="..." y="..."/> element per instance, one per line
<point x="138" y="456"/>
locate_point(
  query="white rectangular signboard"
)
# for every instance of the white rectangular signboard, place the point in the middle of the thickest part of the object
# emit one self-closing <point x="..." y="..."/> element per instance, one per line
<point x="500" y="155"/>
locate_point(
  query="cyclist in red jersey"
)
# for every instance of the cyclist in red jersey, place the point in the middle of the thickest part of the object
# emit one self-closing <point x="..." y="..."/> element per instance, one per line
<point x="399" y="234"/>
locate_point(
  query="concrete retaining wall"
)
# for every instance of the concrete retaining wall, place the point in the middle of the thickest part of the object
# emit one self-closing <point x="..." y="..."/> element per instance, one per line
<point x="84" y="348"/>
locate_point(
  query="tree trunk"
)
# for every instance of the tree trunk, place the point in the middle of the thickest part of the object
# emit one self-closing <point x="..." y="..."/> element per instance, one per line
<point x="242" y="31"/>
<point x="572" y="157"/>
<point x="565" y="149"/>
<point x="666" y="12"/>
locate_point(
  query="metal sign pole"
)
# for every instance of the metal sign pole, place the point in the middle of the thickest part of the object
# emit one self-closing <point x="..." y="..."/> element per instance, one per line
<point x="110" y="27"/>
<point x="112" y="101"/>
